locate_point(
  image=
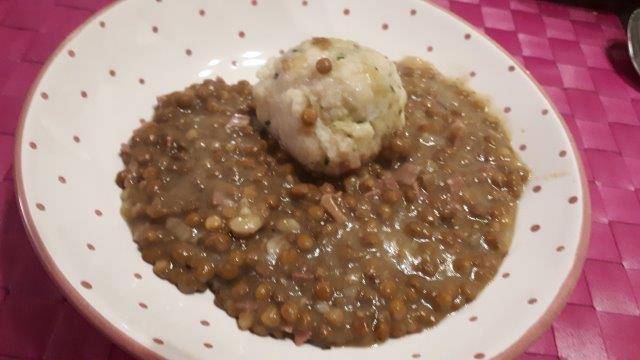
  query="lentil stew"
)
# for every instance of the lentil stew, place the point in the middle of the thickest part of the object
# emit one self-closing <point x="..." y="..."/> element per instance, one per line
<point x="387" y="250"/>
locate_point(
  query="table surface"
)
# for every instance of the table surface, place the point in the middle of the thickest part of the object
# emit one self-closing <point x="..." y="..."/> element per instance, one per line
<point x="579" y="57"/>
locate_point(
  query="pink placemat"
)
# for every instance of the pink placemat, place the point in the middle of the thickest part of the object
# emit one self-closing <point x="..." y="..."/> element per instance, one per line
<point x="578" y="56"/>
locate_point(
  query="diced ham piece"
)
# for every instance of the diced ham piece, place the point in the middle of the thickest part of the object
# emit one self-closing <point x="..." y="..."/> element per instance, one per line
<point x="302" y="276"/>
<point x="456" y="184"/>
<point x="125" y="149"/>
<point x="237" y="121"/>
<point x="389" y="181"/>
<point x="246" y="305"/>
<point x="456" y="131"/>
<point x="219" y="198"/>
<point x="301" y="337"/>
<point x="329" y="204"/>
<point x="372" y="193"/>
<point x="407" y="174"/>
<point x="168" y="141"/>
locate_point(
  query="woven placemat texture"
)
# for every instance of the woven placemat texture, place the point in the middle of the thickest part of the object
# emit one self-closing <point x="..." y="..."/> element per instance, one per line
<point x="577" y="55"/>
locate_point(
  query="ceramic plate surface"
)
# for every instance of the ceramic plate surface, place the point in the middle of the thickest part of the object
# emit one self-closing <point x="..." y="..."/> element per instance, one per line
<point x="105" y="79"/>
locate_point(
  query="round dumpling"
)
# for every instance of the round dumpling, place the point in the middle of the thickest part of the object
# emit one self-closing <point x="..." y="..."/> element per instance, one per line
<point x="330" y="103"/>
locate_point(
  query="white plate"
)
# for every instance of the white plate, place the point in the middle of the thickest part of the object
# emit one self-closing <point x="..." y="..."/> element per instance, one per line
<point x="105" y="78"/>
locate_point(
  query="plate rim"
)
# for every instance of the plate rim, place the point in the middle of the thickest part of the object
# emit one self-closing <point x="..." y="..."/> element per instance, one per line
<point x="138" y="349"/>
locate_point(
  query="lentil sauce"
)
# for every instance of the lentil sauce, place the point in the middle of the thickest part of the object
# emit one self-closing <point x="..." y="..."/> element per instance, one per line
<point x="388" y="250"/>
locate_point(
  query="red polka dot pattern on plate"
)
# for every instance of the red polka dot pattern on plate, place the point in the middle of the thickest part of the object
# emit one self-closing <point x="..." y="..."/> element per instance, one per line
<point x="511" y="68"/>
<point x="207" y="345"/>
<point x="535" y="227"/>
<point x="76" y="138"/>
<point x="62" y="179"/>
<point x="560" y="248"/>
<point x="154" y="29"/>
<point x="413" y="12"/>
<point x="478" y="356"/>
<point x="44" y="95"/>
<point x="505" y="275"/>
<point x="467" y="36"/>
<point x="506" y="110"/>
<point x="204" y="323"/>
<point x="254" y="2"/>
<point x="85" y="284"/>
<point x="472" y="74"/>
<point x="40" y="207"/>
<point x="523" y="147"/>
<point x="137" y="276"/>
<point x="188" y="52"/>
<point x="416" y="356"/>
<point x="573" y="200"/>
<point x="537" y="188"/>
<point x="346" y="12"/>
<point x="84" y="94"/>
<point x="71" y="53"/>
<point x="201" y="12"/>
<point x="143" y="305"/>
<point x="33" y="145"/>
<point x="473" y="318"/>
<point x="102" y="24"/>
<point x="91" y="247"/>
<point x="562" y="153"/>
<point x="305" y="3"/>
<point x="532" y="301"/>
<point x="98" y="212"/>
<point x="385" y="26"/>
<point x="545" y="111"/>
<point x="429" y="48"/>
<point x="158" y="341"/>
<point x="141" y="81"/>
<point x="241" y="34"/>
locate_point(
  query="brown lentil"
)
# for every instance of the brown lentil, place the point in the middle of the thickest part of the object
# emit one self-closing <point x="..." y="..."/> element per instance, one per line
<point x="335" y="317"/>
<point x="323" y="290"/>
<point x="270" y="316"/>
<point x="217" y="242"/>
<point x="289" y="312"/>
<point x="193" y="219"/>
<point x="263" y="291"/>
<point x="305" y="242"/>
<point x="309" y="116"/>
<point x="213" y="222"/>
<point x="387" y="289"/>
<point x="323" y="66"/>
